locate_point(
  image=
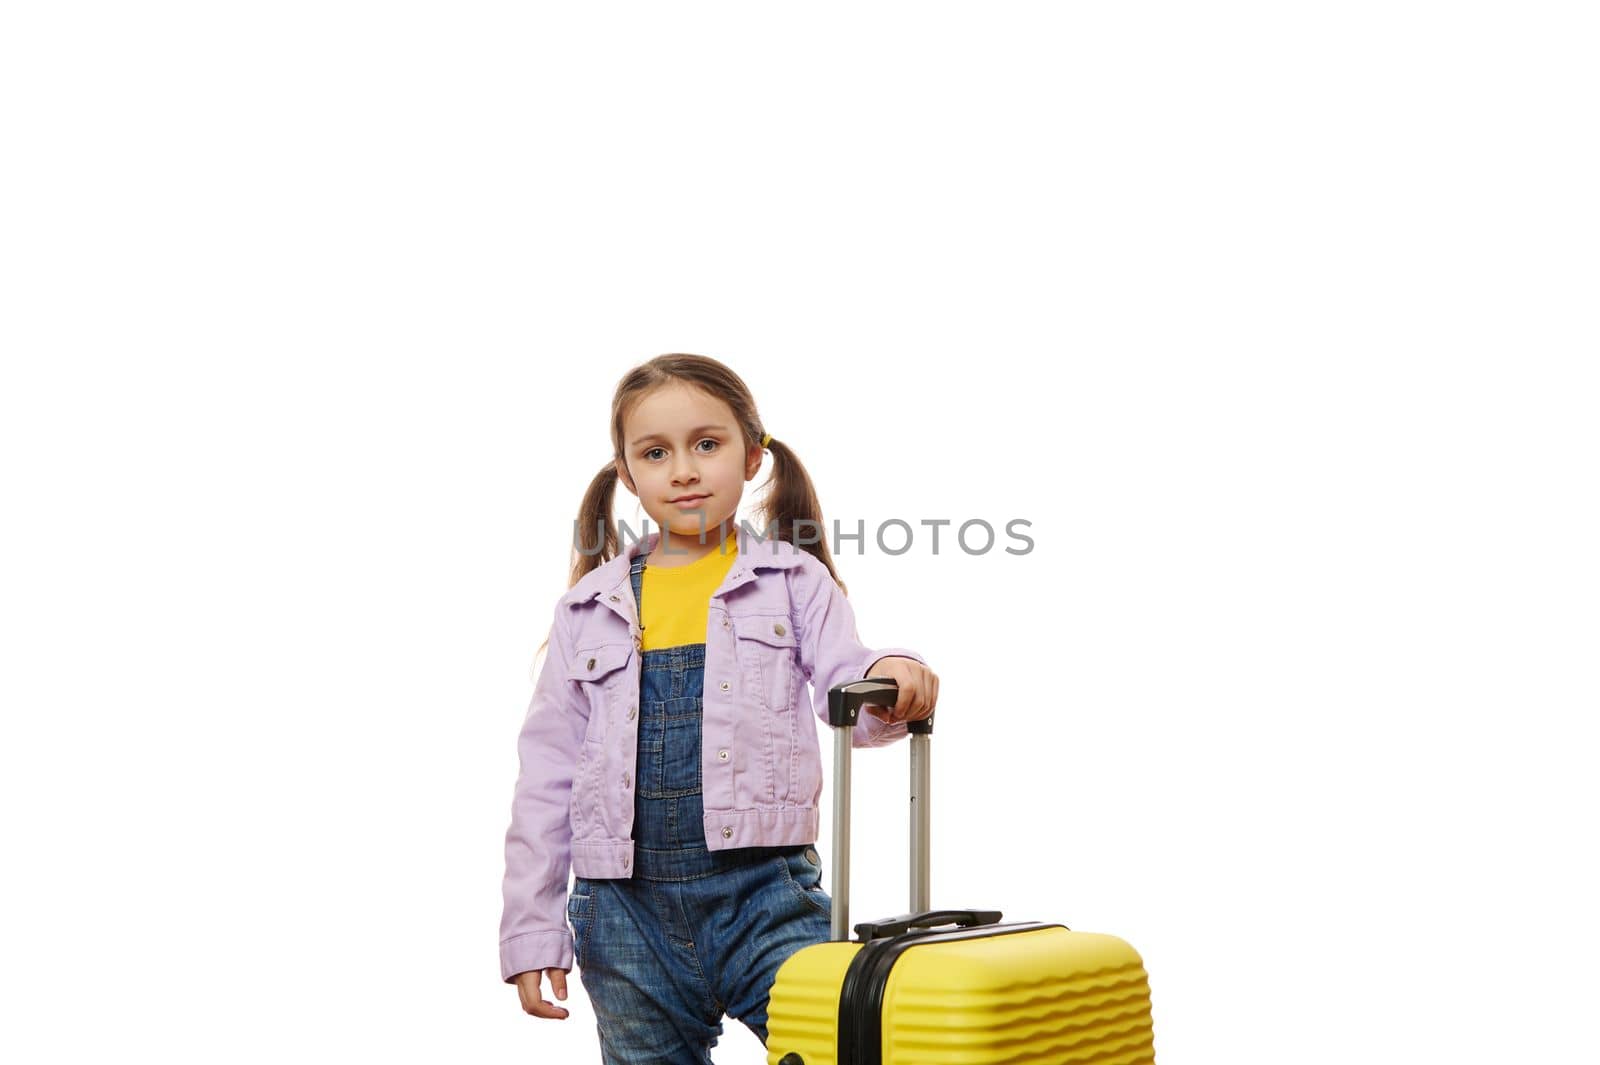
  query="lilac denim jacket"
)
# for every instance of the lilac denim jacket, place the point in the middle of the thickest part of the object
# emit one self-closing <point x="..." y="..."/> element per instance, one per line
<point x="777" y="621"/>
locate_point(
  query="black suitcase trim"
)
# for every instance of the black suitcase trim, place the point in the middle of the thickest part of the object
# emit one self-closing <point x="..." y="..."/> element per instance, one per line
<point x="861" y="993"/>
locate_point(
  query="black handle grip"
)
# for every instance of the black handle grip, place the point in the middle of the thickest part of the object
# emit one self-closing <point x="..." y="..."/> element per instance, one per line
<point x="893" y="926"/>
<point x="846" y="700"/>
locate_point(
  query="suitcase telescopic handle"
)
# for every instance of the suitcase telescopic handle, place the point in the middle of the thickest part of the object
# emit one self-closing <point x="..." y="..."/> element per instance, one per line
<point x="846" y="700"/>
<point x="844" y="708"/>
<point x="869" y="930"/>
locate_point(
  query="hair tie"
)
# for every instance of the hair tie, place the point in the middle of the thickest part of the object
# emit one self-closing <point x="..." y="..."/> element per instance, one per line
<point x="765" y="439"/>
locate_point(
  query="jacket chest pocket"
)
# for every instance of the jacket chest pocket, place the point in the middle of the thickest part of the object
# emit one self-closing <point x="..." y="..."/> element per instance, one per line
<point x="598" y="672"/>
<point x="766" y="648"/>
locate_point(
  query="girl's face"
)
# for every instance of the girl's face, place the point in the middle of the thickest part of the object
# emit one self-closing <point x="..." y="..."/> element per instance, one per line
<point x="680" y="442"/>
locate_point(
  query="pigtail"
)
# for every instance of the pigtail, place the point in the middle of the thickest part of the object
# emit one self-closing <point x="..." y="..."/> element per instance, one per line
<point x="594" y="540"/>
<point x="791" y="504"/>
<point x="594" y="537"/>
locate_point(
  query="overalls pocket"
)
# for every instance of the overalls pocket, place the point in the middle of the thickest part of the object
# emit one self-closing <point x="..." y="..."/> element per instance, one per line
<point x="803" y="870"/>
<point x="669" y="748"/>
<point x="580" y="914"/>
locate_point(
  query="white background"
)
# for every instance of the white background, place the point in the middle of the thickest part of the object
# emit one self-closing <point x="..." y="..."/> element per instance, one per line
<point x="1277" y="322"/>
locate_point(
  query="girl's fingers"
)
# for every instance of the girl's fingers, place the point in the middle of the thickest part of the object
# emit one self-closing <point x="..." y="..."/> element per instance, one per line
<point x="918" y="694"/>
<point x="533" y="1000"/>
<point x="907" y="700"/>
<point x="915" y="693"/>
<point x="927" y="693"/>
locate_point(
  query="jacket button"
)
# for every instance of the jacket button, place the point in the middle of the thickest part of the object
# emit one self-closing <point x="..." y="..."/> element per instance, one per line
<point x="722" y="755"/>
<point x="626" y="780"/>
<point x="591" y="663"/>
<point x="614" y="599"/>
<point x="631" y="711"/>
<point x="726" y="624"/>
<point x="727" y="833"/>
<point x="778" y="629"/>
<point x="724" y="685"/>
<point x="624" y="861"/>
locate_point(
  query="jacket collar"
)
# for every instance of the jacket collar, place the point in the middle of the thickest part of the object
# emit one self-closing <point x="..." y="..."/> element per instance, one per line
<point x="754" y="553"/>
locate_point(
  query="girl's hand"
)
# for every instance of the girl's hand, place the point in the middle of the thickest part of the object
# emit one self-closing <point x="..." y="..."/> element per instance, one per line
<point x="919" y="689"/>
<point x="533" y="1002"/>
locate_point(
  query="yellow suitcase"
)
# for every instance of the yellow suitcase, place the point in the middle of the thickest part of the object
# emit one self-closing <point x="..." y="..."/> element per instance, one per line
<point x="948" y="987"/>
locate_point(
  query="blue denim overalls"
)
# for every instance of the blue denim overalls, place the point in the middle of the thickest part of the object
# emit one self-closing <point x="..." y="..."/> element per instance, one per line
<point x="693" y="934"/>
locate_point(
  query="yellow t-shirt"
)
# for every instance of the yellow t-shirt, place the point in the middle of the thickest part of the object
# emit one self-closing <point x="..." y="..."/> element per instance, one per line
<point x="677" y="599"/>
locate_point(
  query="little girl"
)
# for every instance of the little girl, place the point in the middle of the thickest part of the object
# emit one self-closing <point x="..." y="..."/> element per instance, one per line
<point x="666" y="756"/>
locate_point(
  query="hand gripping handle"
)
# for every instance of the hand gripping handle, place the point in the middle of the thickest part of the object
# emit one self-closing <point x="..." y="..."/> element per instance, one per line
<point x="846" y="700"/>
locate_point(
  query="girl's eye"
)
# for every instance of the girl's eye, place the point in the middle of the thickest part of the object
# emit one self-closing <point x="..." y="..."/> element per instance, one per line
<point x="707" y="440"/>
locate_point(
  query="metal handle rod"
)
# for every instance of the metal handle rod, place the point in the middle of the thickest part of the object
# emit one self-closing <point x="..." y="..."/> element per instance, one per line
<point x="920" y="832"/>
<point x="839" y="929"/>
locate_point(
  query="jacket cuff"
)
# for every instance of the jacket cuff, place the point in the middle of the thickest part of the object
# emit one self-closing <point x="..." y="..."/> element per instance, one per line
<point x="871" y="731"/>
<point x="895" y="652"/>
<point x="535" y="950"/>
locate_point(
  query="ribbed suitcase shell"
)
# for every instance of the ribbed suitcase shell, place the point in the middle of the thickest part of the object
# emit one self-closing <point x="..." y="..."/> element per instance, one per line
<point x="975" y="996"/>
